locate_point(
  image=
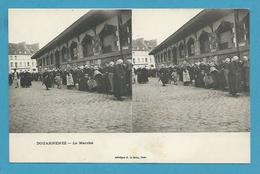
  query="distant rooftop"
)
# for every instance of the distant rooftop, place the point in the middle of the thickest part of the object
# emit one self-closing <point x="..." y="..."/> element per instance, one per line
<point x="22" y="48"/>
<point x="144" y="45"/>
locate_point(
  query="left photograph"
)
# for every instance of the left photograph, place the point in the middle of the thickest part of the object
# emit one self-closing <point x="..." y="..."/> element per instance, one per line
<point x="70" y="71"/>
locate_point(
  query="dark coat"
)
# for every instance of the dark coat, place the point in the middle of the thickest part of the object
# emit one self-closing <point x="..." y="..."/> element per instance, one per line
<point x="119" y="81"/>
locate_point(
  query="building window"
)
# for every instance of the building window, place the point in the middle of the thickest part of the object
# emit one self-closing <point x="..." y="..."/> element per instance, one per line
<point x="133" y="60"/>
<point x="165" y="57"/>
<point x="108" y="38"/>
<point x="225" y="36"/>
<point x="181" y="50"/>
<point x="15" y="64"/>
<point x="204" y="42"/>
<point x="20" y="64"/>
<point x="24" y="64"/>
<point x="73" y="50"/>
<point x="87" y="46"/>
<point x="225" y="41"/>
<point x="191" y="47"/>
<point x="145" y="59"/>
<point x="11" y="64"/>
<point x="28" y="63"/>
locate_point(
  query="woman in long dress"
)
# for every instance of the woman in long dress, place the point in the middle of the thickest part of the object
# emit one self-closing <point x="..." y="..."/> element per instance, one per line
<point x="70" y="81"/>
<point x="186" y="77"/>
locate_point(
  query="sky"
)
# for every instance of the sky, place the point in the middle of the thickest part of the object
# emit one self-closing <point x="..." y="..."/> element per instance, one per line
<point x="42" y="25"/>
<point x="160" y="23"/>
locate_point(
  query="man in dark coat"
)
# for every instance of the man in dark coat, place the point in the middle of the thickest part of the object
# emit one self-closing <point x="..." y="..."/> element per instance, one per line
<point x="233" y="76"/>
<point x="163" y="74"/>
<point x="119" y="79"/>
<point x="28" y="79"/>
<point x="46" y="79"/>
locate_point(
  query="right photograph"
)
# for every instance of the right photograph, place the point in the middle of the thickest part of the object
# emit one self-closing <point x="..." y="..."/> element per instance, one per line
<point x="191" y="70"/>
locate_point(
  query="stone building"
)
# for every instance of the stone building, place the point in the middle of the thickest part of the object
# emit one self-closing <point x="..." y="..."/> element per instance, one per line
<point x="19" y="55"/>
<point x="211" y="35"/>
<point x="96" y="38"/>
<point x="140" y="53"/>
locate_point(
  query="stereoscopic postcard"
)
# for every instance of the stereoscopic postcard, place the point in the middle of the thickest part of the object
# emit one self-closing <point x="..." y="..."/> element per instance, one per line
<point x="129" y="85"/>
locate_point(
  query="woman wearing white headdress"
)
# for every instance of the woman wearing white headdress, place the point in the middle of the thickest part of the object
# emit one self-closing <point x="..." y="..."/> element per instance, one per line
<point x="70" y="81"/>
<point x="111" y="76"/>
<point x="226" y="72"/>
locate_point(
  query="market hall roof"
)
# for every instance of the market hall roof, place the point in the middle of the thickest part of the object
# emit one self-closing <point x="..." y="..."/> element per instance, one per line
<point x="87" y="21"/>
<point x="202" y="19"/>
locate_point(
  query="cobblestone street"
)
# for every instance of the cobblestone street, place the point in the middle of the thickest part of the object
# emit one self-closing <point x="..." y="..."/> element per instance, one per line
<point x="36" y="110"/>
<point x="154" y="108"/>
<point x="188" y="109"/>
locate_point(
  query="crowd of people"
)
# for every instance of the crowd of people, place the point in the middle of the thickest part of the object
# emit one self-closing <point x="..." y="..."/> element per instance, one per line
<point x="112" y="78"/>
<point x="117" y="77"/>
<point x="231" y="74"/>
<point x="23" y="79"/>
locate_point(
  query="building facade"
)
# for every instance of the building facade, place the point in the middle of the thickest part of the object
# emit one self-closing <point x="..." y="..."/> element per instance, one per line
<point x="19" y="56"/>
<point x="212" y="35"/>
<point x="96" y="38"/>
<point x="140" y="53"/>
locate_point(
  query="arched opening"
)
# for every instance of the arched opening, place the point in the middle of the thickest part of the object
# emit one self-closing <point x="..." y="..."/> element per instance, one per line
<point x="47" y="60"/>
<point x="174" y="55"/>
<point x="51" y="59"/>
<point x="57" y="58"/>
<point x="169" y="55"/>
<point x="165" y="56"/>
<point x="204" y="42"/>
<point x="44" y="61"/>
<point x="87" y="46"/>
<point x="191" y="47"/>
<point x="225" y="35"/>
<point x="74" y="50"/>
<point x="181" y="50"/>
<point x="108" y="38"/>
<point x="64" y="54"/>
